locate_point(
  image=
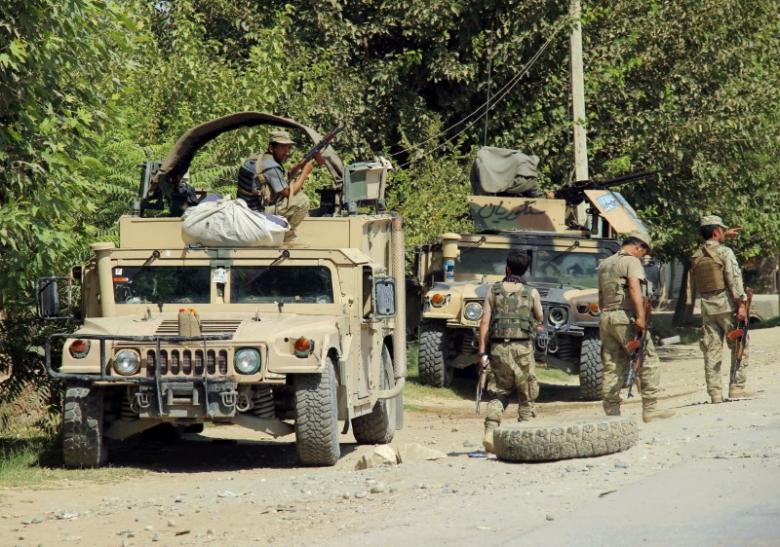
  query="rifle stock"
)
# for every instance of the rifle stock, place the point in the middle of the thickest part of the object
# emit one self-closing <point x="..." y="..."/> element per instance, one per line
<point x="636" y="348"/>
<point x="481" y="383"/>
<point x="740" y="335"/>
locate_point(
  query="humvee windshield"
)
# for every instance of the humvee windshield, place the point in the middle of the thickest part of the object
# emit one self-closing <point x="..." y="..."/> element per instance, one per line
<point x="285" y="284"/>
<point x="170" y="284"/>
<point x="547" y="266"/>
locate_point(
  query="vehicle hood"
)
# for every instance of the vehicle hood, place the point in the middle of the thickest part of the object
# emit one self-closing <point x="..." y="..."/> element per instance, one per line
<point x="240" y="327"/>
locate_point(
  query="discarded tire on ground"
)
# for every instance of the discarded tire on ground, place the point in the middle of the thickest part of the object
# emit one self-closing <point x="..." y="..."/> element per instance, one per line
<point x="580" y="439"/>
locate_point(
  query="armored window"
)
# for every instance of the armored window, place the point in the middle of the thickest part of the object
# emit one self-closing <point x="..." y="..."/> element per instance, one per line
<point x="281" y="284"/>
<point x="162" y="285"/>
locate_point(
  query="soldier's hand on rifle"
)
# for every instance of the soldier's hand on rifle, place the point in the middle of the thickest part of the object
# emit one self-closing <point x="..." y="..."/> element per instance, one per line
<point x="483" y="361"/>
<point x="640" y="325"/>
<point x="731" y="233"/>
<point x="742" y="312"/>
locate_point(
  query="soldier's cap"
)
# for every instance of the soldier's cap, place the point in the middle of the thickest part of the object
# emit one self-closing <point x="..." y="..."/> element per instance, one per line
<point x="644" y="237"/>
<point x="280" y="137"/>
<point x="712" y="220"/>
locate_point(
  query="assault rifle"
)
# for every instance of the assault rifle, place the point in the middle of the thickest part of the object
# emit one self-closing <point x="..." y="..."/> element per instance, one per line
<point x="481" y="384"/>
<point x="574" y="193"/>
<point x="637" y="347"/>
<point x="740" y="336"/>
<point x="314" y="150"/>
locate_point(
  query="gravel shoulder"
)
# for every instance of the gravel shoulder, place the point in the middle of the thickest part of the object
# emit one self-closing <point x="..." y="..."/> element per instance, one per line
<point x="680" y="484"/>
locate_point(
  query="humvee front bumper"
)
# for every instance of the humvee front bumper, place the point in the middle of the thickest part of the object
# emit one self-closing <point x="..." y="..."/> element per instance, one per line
<point x="200" y="394"/>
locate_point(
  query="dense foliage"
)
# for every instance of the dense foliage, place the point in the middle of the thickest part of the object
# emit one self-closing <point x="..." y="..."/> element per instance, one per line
<point x="90" y="88"/>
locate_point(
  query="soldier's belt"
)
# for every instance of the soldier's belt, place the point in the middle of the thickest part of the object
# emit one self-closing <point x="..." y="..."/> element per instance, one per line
<point x="510" y="339"/>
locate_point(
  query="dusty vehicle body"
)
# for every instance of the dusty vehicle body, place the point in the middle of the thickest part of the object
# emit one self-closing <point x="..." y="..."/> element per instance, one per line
<point x="457" y="271"/>
<point x="290" y="339"/>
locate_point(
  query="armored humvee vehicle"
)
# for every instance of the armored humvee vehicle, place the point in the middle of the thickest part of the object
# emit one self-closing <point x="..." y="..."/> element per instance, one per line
<point x="456" y="273"/>
<point x="288" y="339"/>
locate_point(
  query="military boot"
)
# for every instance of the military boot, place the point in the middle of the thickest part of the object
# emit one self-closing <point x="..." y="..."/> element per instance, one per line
<point x="610" y="408"/>
<point x="716" y="398"/>
<point x="737" y="392"/>
<point x="652" y="413"/>
<point x="487" y="438"/>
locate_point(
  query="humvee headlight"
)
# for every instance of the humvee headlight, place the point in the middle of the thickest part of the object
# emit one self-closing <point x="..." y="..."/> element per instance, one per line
<point x="437" y="299"/>
<point x="558" y="316"/>
<point x="472" y="311"/>
<point x="303" y="347"/>
<point x="247" y="361"/>
<point x="79" y="348"/>
<point x="127" y="362"/>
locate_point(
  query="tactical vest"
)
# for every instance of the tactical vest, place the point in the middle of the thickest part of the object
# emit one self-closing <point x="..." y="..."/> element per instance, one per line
<point x="612" y="286"/>
<point x="707" y="270"/>
<point x="256" y="188"/>
<point x="512" y="316"/>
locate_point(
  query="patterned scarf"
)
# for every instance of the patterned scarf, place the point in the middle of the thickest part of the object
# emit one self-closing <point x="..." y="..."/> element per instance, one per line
<point x="513" y="279"/>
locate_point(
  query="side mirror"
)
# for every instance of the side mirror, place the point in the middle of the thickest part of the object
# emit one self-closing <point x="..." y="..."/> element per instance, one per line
<point x="49" y="298"/>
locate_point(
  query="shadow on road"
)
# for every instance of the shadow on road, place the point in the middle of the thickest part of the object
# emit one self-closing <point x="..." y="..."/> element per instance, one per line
<point x="194" y="453"/>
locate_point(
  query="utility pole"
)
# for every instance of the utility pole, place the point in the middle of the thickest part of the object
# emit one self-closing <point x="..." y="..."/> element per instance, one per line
<point x="578" y="105"/>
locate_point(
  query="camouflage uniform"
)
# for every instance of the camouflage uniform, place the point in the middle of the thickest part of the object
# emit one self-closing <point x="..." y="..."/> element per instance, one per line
<point x="293" y="208"/>
<point x="717" y="278"/>
<point x="511" y="368"/>
<point x="257" y="189"/>
<point x="616" y="329"/>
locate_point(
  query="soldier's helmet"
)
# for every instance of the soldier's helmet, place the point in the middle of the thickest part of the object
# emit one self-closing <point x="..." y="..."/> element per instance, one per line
<point x="280" y="137"/>
<point x="712" y="220"/>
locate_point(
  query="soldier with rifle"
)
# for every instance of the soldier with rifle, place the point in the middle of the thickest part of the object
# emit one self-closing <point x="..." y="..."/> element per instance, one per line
<point x="717" y="279"/>
<point x="512" y="313"/>
<point x="624" y="320"/>
<point x="266" y="186"/>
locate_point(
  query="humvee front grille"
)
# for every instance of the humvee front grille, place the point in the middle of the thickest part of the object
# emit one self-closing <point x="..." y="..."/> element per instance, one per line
<point x="185" y="362"/>
<point x="210" y="326"/>
<point x="543" y="292"/>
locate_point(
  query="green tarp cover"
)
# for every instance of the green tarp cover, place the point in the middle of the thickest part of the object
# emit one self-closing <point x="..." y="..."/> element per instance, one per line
<point x="503" y="171"/>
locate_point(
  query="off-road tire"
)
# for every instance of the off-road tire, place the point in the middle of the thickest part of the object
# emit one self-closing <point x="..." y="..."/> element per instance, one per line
<point x="432" y="355"/>
<point x="591" y="367"/>
<point x="581" y="439"/>
<point x="83" y="443"/>
<point x="378" y="427"/>
<point x="316" y="417"/>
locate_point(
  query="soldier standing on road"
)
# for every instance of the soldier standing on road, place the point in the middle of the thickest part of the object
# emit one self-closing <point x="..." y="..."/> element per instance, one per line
<point x="622" y="287"/>
<point x="267" y="188"/>
<point x="717" y="278"/>
<point x="511" y="312"/>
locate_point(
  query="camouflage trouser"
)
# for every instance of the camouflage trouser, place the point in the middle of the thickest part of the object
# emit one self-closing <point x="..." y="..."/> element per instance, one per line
<point x="511" y="369"/>
<point x="716" y="327"/>
<point x="616" y="330"/>
<point x="294" y="209"/>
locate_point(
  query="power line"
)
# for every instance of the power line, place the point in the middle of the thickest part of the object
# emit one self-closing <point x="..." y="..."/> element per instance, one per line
<point x="487" y="106"/>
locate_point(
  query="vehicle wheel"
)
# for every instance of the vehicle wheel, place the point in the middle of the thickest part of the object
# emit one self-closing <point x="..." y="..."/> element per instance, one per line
<point x="432" y="356"/>
<point x="378" y="427"/>
<point x="83" y="443"/>
<point x="316" y="417"/>
<point x="536" y="443"/>
<point x="591" y="367"/>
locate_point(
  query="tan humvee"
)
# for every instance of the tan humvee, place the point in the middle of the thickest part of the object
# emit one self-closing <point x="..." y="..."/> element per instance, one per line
<point x="456" y="273"/>
<point x="282" y="340"/>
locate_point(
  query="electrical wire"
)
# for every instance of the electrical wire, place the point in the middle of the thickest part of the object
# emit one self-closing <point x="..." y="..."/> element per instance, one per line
<point x="486" y="106"/>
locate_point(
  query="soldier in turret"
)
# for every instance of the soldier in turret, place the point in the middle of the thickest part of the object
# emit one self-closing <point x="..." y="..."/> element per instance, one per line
<point x="263" y="183"/>
<point x="511" y="313"/>
<point x="622" y="288"/>
<point x="717" y="278"/>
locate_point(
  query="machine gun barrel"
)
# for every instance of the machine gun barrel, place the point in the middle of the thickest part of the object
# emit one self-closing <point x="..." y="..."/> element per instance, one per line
<point x="574" y="192"/>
